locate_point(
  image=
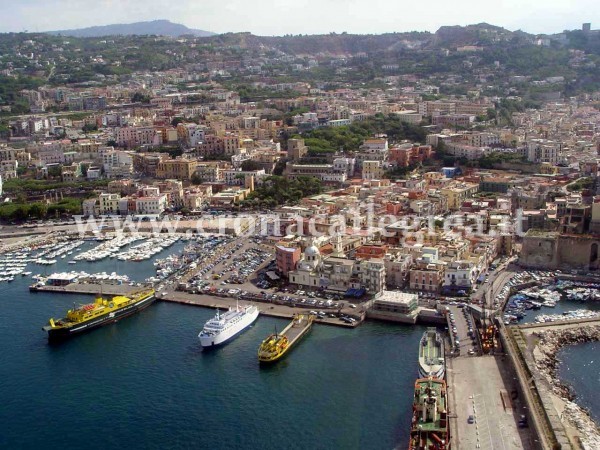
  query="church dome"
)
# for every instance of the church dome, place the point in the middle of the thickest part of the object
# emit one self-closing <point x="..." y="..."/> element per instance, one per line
<point x="313" y="250"/>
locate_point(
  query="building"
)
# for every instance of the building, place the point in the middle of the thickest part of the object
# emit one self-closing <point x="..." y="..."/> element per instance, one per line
<point x="154" y="205"/>
<point x="397" y="269"/>
<point x="396" y="306"/>
<point x="296" y="149"/>
<point x="287" y="257"/>
<point x="460" y="276"/>
<point x="426" y="276"/>
<point x="457" y="193"/>
<point x="109" y="203"/>
<point x="337" y="273"/>
<point x="179" y="169"/>
<point x="542" y="150"/>
<point x="324" y="172"/>
<point x="373" y="170"/>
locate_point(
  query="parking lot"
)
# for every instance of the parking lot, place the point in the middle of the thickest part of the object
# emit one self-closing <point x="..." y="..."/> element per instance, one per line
<point x="463" y="331"/>
<point x="243" y="269"/>
<point x="476" y="386"/>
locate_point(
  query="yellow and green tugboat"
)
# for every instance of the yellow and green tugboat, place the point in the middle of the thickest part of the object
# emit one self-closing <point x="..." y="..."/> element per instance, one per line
<point x="101" y="312"/>
<point x="274" y="347"/>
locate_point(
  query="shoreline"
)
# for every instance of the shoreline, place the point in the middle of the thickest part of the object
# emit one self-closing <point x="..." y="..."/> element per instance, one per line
<point x="585" y="429"/>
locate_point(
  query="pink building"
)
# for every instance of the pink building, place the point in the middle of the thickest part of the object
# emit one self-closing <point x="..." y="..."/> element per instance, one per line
<point x="287" y="258"/>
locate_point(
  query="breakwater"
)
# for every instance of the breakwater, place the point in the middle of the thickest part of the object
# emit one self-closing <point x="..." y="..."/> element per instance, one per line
<point x="547" y="362"/>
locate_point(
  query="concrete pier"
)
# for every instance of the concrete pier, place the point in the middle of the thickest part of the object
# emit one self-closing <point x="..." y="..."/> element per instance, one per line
<point x="267" y="309"/>
<point x="87" y="289"/>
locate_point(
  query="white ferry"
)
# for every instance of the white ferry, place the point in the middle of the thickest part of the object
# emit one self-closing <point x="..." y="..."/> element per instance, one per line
<point x="224" y="327"/>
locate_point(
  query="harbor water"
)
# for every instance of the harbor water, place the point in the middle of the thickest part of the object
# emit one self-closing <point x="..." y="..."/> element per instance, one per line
<point x="579" y="368"/>
<point x="145" y="382"/>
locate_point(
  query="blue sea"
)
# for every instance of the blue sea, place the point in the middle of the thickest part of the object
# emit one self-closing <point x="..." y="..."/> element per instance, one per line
<point x="145" y="382"/>
<point x="580" y="368"/>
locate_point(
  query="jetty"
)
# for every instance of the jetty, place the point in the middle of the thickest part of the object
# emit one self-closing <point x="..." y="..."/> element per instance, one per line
<point x="86" y="289"/>
<point x="266" y="309"/>
<point x="535" y="383"/>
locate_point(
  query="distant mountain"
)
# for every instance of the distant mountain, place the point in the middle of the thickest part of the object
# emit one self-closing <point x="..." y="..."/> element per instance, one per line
<point x="158" y="27"/>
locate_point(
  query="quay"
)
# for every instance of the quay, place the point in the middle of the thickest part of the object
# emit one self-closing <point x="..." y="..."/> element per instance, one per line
<point x="266" y="309"/>
<point x="206" y="301"/>
<point x="87" y="289"/>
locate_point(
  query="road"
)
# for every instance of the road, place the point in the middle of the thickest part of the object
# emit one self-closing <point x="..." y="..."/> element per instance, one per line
<point x="462" y="329"/>
<point x="496" y="281"/>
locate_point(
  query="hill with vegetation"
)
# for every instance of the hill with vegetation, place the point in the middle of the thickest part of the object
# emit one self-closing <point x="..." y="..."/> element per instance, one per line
<point x="154" y="27"/>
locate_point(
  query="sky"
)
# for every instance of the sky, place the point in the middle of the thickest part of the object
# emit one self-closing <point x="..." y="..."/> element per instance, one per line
<point x="279" y="17"/>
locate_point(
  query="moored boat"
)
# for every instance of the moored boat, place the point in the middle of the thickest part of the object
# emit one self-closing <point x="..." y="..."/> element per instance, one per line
<point x="224" y="327"/>
<point x="431" y="355"/>
<point x="430" y="428"/>
<point x="101" y="312"/>
<point x="276" y="345"/>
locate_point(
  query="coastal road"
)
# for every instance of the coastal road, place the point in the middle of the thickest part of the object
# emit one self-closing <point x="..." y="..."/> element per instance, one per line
<point x="496" y="282"/>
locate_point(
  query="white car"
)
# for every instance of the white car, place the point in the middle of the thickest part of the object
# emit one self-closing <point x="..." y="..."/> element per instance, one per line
<point x="352" y="305"/>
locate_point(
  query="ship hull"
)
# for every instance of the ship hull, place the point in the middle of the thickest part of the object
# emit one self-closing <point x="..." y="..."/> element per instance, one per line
<point x="58" y="334"/>
<point x="267" y="360"/>
<point x="424" y="373"/>
<point x="229" y="334"/>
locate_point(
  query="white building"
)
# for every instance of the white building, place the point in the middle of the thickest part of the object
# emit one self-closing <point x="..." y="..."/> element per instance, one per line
<point x="543" y="150"/>
<point x="460" y="275"/>
<point x="154" y="205"/>
<point x="344" y="165"/>
<point x="237" y="177"/>
<point x="337" y="273"/>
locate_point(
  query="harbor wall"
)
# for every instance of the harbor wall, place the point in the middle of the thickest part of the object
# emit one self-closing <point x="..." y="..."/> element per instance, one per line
<point x="540" y="413"/>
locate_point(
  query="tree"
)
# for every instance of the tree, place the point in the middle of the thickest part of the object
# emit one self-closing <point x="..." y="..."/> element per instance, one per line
<point x="250" y="165"/>
<point x="87" y="128"/>
<point x="54" y="171"/>
<point x="38" y="210"/>
<point x="176" y="121"/>
<point x="139" y="97"/>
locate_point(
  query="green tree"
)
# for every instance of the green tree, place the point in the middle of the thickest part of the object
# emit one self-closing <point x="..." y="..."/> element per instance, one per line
<point x="250" y="165"/>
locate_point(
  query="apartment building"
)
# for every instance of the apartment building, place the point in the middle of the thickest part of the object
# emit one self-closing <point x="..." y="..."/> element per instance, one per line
<point x="179" y="169"/>
<point x="542" y="150"/>
<point x="373" y="170"/>
<point x="426" y="276"/>
<point x="457" y="193"/>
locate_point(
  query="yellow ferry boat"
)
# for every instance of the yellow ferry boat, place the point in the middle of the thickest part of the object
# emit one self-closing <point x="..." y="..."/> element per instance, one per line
<point x="276" y="345"/>
<point x="101" y="312"/>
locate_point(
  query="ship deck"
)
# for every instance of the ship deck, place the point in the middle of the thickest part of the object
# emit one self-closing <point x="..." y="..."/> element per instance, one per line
<point x="294" y="331"/>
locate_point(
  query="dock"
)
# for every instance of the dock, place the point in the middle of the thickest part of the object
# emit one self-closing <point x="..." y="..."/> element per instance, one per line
<point x="266" y="309"/>
<point x="87" y="289"/>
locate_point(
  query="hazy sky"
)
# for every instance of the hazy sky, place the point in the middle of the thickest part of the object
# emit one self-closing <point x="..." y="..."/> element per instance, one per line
<point x="302" y="16"/>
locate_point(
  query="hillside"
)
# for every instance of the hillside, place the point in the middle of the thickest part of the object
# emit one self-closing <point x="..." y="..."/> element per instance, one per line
<point x="157" y="27"/>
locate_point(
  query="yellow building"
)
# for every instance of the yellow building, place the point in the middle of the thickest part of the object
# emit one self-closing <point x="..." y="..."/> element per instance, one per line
<point x="548" y="169"/>
<point x="372" y="170"/>
<point x="229" y="197"/>
<point x="179" y="169"/>
<point x="457" y="193"/>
